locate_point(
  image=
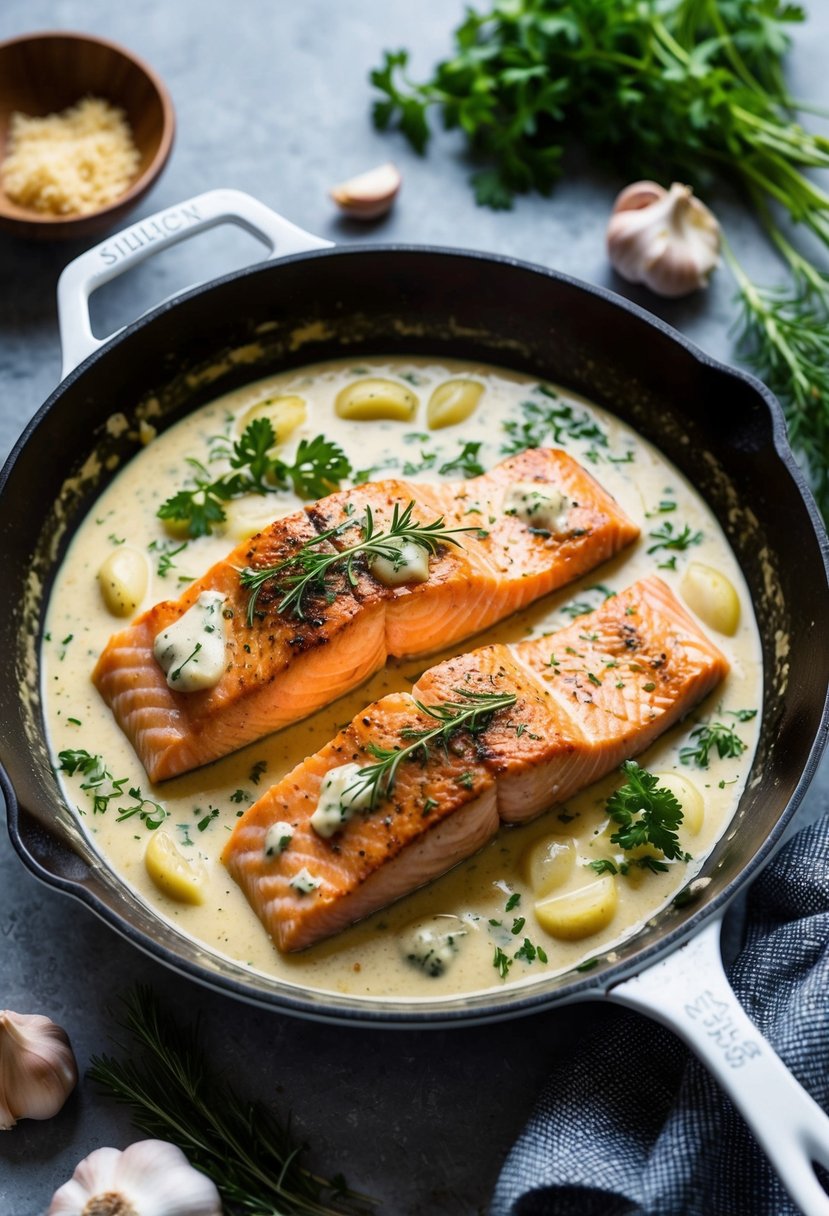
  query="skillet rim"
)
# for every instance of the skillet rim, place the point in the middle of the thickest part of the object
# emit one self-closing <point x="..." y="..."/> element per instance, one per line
<point x="583" y="987"/>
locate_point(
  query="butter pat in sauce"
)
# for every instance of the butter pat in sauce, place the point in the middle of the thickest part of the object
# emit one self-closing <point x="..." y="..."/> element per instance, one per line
<point x="192" y="651"/>
<point x="538" y="506"/>
<point x="412" y="566"/>
<point x="339" y="799"/>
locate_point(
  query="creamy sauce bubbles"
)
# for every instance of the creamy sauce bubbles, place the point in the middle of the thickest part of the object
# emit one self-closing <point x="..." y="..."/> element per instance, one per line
<point x="440" y="940"/>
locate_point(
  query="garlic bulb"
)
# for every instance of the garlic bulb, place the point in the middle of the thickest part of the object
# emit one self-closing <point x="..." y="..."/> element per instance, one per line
<point x="37" y="1068"/>
<point x="666" y="239"/>
<point x="150" y="1178"/>
<point x="369" y="195"/>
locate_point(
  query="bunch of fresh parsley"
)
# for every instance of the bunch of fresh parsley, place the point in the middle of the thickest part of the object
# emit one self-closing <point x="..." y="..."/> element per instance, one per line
<point x="687" y="89"/>
<point x="318" y="468"/>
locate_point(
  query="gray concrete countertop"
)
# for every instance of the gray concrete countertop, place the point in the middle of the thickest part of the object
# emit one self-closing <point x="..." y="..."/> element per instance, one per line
<point x="272" y="98"/>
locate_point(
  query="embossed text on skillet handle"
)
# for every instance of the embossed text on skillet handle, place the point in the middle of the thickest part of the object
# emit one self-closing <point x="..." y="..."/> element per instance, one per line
<point x="688" y="991"/>
<point x="144" y="238"/>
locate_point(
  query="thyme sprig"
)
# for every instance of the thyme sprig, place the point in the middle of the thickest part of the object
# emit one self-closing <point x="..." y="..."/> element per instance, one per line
<point x="306" y="571"/>
<point x="472" y="712"/>
<point x="248" y="1152"/>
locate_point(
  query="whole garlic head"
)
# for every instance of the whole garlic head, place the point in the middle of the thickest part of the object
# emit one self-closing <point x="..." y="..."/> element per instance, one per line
<point x="150" y="1178"/>
<point x="37" y="1068"/>
<point x="666" y="239"/>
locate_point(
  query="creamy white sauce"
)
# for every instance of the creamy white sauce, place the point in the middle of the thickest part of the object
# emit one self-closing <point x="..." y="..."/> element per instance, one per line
<point x="340" y="798"/>
<point x="367" y="960"/>
<point x="191" y="652"/>
<point x="411" y="566"/>
<point x="538" y="507"/>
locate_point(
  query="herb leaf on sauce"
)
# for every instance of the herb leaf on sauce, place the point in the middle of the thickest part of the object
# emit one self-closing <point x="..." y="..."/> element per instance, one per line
<point x="319" y="467"/>
<point x="647" y="813"/>
<point x="714" y="736"/>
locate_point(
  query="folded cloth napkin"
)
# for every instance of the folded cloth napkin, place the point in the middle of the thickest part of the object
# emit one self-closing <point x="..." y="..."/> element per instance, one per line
<point x="632" y="1125"/>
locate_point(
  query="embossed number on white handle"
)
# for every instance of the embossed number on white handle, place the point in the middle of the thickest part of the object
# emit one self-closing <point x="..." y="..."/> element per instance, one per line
<point x="125" y="249"/>
<point x="688" y="991"/>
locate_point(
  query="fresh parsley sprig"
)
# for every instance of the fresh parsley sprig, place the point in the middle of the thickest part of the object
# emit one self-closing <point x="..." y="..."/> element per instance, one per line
<point x="472" y="712"/>
<point x="172" y="1093"/>
<point x="647" y="813"/>
<point x="306" y="571"/>
<point x="318" y="468"/>
<point x="664" y="89"/>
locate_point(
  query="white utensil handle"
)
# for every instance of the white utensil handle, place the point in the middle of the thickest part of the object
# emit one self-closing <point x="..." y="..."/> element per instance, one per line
<point x="126" y="249"/>
<point x="688" y="991"/>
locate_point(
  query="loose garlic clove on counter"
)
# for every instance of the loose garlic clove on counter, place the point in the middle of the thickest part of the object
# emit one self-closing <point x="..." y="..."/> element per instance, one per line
<point x="149" y="1178"/>
<point x="37" y="1067"/>
<point x="666" y="239"/>
<point x="369" y="195"/>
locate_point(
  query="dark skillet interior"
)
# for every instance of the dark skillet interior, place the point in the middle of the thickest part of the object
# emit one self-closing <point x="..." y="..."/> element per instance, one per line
<point x="723" y="430"/>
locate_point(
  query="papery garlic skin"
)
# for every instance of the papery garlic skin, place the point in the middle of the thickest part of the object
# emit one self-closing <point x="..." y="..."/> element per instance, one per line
<point x="666" y="239"/>
<point x="37" y="1067"/>
<point x="150" y="1178"/>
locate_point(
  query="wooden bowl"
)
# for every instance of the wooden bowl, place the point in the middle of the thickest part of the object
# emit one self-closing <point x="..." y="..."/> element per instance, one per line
<point x="43" y="73"/>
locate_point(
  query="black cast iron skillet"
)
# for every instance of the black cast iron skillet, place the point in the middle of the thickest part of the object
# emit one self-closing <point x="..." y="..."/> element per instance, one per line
<point x="723" y="429"/>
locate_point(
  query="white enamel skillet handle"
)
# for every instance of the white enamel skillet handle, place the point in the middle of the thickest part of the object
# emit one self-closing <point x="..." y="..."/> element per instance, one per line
<point x="688" y="992"/>
<point x="125" y="249"/>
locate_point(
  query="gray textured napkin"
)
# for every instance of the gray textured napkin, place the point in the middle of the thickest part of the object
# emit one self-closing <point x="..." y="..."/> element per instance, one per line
<point x="632" y="1124"/>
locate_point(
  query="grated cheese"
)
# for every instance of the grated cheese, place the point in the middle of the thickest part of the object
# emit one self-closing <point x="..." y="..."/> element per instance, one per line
<point x="69" y="163"/>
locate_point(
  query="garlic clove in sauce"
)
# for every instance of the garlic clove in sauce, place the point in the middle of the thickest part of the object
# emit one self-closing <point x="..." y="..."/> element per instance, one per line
<point x="666" y="239"/>
<point x="37" y="1067"/>
<point x="369" y="195"/>
<point x="150" y="1178"/>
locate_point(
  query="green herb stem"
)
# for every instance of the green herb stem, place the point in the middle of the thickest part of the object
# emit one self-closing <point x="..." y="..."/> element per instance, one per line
<point x="306" y="571"/>
<point x="472" y="712"/>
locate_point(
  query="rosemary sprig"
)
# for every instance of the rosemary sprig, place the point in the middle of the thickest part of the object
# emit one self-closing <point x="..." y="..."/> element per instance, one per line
<point x="473" y="712"/>
<point x="306" y="571"/>
<point x="173" y="1094"/>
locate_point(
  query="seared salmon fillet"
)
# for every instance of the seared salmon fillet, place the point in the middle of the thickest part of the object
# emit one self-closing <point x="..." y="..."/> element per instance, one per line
<point x="282" y="667"/>
<point x="585" y="698"/>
